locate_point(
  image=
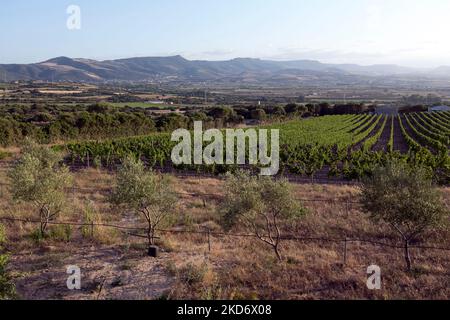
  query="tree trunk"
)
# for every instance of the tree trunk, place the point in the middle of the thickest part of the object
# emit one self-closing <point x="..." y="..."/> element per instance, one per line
<point x="153" y="237"/>
<point x="149" y="236"/>
<point x="407" y="256"/>
<point x="277" y="252"/>
<point x="43" y="227"/>
<point x="44" y="222"/>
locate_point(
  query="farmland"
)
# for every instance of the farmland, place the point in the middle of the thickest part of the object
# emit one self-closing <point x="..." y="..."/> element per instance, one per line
<point x="143" y="105"/>
<point x="325" y="151"/>
<point x="325" y="252"/>
<point x="347" y="146"/>
<point x="225" y="159"/>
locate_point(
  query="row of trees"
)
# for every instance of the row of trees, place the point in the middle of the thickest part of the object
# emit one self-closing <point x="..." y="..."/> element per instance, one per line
<point x="47" y="128"/>
<point x="308" y="110"/>
<point x="101" y="121"/>
<point x="48" y="124"/>
<point x="404" y="197"/>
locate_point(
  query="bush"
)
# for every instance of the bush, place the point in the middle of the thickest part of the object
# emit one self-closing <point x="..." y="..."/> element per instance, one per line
<point x="192" y="274"/>
<point x="7" y="287"/>
<point x="4" y="155"/>
<point x="405" y="198"/>
<point x="146" y="193"/>
<point x="259" y="204"/>
<point x="90" y="230"/>
<point x="3" y="238"/>
<point x="61" y="233"/>
<point x="37" y="236"/>
<point x="40" y="179"/>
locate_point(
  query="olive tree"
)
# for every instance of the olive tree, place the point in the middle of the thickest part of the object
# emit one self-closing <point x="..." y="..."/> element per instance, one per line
<point x="261" y="205"/>
<point x="40" y="178"/>
<point x="405" y="198"/>
<point x="145" y="192"/>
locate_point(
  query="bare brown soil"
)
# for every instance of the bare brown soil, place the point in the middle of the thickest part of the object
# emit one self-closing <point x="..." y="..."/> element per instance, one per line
<point x="383" y="141"/>
<point x="399" y="141"/>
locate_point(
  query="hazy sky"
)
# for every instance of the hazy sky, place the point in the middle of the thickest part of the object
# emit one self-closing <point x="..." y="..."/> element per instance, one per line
<point x="407" y="32"/>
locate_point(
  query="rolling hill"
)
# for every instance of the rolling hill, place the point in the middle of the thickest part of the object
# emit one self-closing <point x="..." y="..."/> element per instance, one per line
<point x="177" y="68"/>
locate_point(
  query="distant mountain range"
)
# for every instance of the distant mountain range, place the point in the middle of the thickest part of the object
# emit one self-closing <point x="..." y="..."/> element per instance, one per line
<point x="177" y="68"/>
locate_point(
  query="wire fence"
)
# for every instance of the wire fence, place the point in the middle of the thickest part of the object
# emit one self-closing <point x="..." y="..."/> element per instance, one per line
<point x="318" y="178"/>
<point x="211" y="233"/>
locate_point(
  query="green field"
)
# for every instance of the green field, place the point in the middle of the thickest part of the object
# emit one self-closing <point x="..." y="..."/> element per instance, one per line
<point x="143" y="105"/>
<point x="346" y="146"/>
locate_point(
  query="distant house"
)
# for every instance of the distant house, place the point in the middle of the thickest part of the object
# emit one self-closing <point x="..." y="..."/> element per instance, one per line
<point x="438" y="108"/>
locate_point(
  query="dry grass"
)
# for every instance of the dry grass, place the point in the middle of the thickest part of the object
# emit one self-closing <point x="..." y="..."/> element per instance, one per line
<point x="236" y="268"/>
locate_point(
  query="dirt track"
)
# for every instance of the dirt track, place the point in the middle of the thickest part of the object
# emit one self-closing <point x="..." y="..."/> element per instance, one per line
<point x="382" y="143"/>
<point x="399" y="141"/>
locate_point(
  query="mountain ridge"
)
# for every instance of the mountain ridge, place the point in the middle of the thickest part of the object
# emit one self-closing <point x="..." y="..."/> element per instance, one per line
<point x="177" y="67"/>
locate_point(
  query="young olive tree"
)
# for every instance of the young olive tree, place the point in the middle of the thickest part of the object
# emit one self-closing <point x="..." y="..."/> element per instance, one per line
<point x="148" y="194"/>
<point x="261" y="205"/>
<point x="404" y="197"/>
<point x="40" y="178"/>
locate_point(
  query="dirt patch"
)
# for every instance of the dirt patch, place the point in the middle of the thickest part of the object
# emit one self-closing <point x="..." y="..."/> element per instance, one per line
<point x="107" y="273"/>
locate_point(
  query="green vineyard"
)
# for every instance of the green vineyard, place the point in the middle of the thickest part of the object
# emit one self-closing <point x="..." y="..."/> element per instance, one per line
<point x="329" y="147"/>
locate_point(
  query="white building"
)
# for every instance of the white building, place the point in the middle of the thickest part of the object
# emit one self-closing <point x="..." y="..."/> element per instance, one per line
<point x="438" y="108"/>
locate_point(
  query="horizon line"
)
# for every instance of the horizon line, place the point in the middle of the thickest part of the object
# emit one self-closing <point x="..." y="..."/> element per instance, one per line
<point x="230" y="59"/>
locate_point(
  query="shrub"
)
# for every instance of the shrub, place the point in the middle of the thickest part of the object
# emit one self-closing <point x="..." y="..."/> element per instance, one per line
<point x="146" y="193"/>
<point x="192" y="274"/>
<point x="259" y="204"/>
<point x="3" y="238"/>
<point x="61" y="232"/>
<point x="406" y="199"/>
<point x="40" y="179"/>
<point x="89" y="219"/>
<point x="7" y="287"/>
<point x="4" y="155"/>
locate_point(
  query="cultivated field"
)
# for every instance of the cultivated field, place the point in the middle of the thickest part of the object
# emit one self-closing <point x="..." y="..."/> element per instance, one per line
<point x="326" y="252"/>
<point x="335" y="147"/>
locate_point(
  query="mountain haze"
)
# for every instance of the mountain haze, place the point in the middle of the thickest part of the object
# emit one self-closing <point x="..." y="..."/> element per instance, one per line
<point x="178" y="68"/>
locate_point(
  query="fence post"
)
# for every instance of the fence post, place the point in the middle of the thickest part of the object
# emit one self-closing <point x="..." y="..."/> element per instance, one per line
<point x="209" y="240"/>
<point x="345" y="251"/>
<point x="347" y="208"/>
<point x="204" y="203"/>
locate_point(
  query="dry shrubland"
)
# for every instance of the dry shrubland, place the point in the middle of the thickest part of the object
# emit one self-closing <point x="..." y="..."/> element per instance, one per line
<point x="116" y="265"/>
